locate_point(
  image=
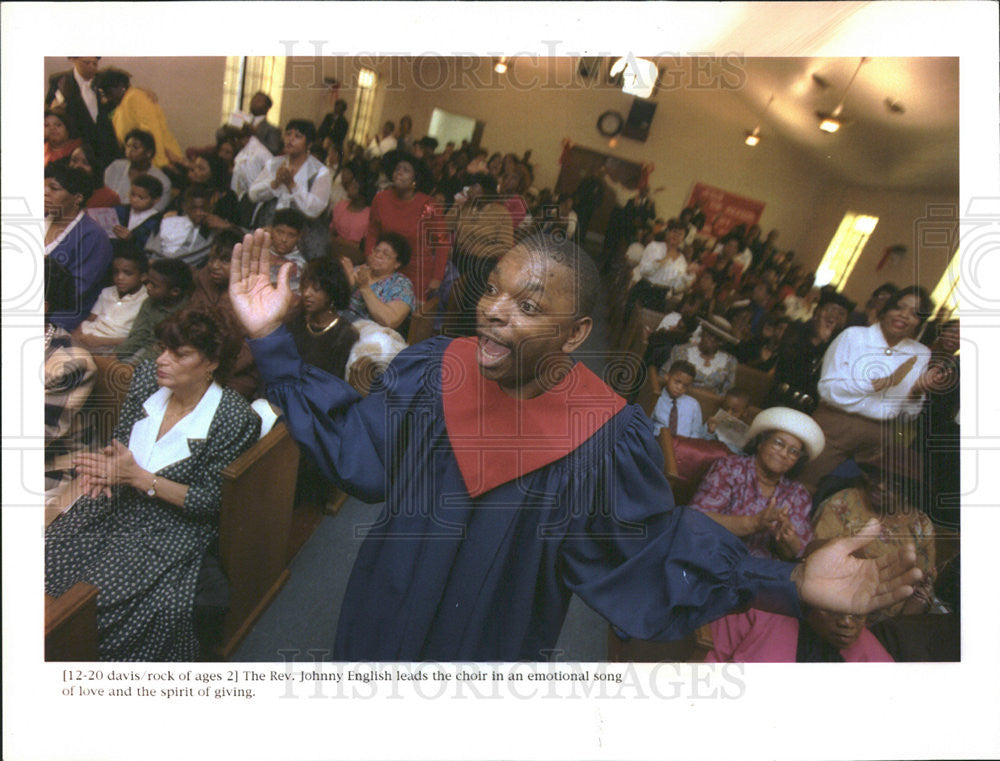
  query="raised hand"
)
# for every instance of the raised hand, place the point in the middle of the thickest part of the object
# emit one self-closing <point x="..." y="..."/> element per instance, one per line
<point x="831" y="578"/>
<point x="260" y="306"/>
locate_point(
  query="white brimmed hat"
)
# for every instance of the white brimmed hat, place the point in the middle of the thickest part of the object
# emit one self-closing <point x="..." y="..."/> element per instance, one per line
<point x="796" y="423"/>
<point x="719" y="327"/>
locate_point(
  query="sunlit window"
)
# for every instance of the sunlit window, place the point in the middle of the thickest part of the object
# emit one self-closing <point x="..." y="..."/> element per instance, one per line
<point x="945" y="294"/>
<point x="845" y="250"/>
<point x="363" y="106"/>
<point x="246" y="75"/>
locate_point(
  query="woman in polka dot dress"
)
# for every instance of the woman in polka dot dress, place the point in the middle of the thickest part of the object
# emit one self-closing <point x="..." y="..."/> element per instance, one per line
<point x="151" y="509"/>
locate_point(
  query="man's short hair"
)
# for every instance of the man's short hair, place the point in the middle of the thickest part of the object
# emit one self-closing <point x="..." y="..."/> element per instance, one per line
<point x="225" y="240"/>
<point x="176" y="272"/>
<point x="112" y="78"/>
<point x="291" y="217"/>
<point x="562" y="250"/>
<point x="197" y="192"/>
<point x="127" y="249"/>
<point x="150" y="184"/>
<point x="146" y="138"/>
<point x="683" y="366"/>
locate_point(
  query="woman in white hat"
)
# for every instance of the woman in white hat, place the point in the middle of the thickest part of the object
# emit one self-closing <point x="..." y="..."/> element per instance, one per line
<point x="754" y="495"/>
<point x="716" y="368"/>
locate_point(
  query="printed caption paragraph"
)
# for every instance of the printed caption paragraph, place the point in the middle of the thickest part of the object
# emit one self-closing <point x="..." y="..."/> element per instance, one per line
<point x="426" y="680"/>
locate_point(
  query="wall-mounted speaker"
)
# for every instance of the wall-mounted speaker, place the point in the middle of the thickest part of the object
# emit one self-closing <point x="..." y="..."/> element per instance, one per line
<point x="640" y="118"/>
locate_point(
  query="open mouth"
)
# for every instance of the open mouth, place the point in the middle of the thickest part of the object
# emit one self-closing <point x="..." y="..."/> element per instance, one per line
<point x="491" y="353"/>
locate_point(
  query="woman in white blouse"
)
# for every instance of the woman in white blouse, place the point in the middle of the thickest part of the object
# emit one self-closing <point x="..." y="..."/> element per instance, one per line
<point x="299" y="181"/>
<point x="871" y="376"/>
<point x="663" y="270"/>
<point x="150" y="509"/>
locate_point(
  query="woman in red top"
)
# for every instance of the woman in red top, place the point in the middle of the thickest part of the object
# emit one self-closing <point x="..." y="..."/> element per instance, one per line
<point x="405" y="208"/>
<point x="60" y="138"/>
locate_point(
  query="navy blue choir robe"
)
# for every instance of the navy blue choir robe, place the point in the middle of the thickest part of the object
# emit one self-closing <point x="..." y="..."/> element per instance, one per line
<point x="497" y="509"/>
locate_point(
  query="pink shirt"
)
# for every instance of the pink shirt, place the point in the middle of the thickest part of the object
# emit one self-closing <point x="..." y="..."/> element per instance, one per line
<point x="761" y="637"/>
<point x="350" y="225"/>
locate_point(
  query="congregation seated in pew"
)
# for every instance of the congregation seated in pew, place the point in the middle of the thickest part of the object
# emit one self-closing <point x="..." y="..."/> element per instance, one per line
<point x="728" y="297"/>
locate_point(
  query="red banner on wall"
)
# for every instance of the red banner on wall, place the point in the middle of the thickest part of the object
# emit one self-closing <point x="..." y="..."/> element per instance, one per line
<point x="724" y="210"/>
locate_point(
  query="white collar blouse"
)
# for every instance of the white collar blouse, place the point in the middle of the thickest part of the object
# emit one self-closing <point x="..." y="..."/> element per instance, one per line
<point x="174" y="446"/>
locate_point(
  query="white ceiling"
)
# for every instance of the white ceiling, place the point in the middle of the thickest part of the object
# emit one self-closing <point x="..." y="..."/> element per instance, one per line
<point x="917" y="149"/>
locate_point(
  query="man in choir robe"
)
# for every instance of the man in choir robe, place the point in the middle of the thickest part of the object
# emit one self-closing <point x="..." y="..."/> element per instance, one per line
<point x="512" y="477"/>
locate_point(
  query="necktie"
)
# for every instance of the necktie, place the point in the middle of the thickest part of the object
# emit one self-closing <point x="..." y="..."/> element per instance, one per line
<point x="673" y="417"/>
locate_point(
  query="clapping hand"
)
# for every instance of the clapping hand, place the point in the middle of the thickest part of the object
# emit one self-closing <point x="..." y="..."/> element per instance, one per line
<point x="121" y="232"/>
<point x="767" y="518"/>
<point x="363" y="276"/>
<point x="786" y="539"/>
<point x="834" y="579"/>
<point x="99" y="471"/>
<point x="284" y="175"/>
<point x="348" y="267"/>
<point x="260" y="306"/>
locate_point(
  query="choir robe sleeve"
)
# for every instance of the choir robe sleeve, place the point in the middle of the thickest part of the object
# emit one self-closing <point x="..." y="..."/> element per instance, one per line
<point x="657" y="571"/>
<point x="344" y="432"/>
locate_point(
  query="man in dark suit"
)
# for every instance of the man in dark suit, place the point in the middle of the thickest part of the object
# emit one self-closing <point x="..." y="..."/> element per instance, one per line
<point x="334" y="129"/>
<point x="266" y="132"/>
<point x="74" y="94"/>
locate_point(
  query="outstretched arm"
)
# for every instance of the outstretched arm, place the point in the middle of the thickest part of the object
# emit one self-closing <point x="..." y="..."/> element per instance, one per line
<point x="832" y="578"/>
<point x="260" y="306"/>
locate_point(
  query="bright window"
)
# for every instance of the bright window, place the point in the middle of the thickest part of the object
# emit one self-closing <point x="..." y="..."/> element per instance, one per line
<point x="945" y="294"/>
<point x="363" y="106"/>
<point x="845" y="249"/>
<point x="246" y="75"/>
<point x="451" y="127"/>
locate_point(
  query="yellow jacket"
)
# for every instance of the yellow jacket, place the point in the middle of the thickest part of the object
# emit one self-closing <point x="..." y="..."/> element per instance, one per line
<point x="138" y="111"/>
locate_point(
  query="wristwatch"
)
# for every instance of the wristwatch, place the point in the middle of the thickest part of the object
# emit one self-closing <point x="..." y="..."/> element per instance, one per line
<point x="151" y="491"/>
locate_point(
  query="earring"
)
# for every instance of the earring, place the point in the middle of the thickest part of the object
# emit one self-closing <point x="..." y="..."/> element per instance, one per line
<point x="210" y="377"/>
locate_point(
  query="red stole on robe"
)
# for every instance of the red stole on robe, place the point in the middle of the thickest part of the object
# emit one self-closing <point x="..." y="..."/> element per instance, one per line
<point x="497" y="438"/>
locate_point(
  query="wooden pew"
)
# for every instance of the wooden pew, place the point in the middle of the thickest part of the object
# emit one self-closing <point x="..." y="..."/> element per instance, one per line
<point x="258" y="490"/>
<point x="422" y="322"/>
<point x="71" y="624"/>
<point x="755" y="382"/>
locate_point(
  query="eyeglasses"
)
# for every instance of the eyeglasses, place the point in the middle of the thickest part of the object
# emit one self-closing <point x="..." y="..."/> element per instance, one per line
<point x="780" y="445"/>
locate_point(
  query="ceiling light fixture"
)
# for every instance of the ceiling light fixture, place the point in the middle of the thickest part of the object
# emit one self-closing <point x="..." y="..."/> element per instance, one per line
<point x="638" y="75"/>
<point x="753" y="137"/>
<point x="831" y="122"/>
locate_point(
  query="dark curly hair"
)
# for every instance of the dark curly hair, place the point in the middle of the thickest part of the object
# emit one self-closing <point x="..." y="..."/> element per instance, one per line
<point x="71" y="131"/>
<point x="146" y="138"/>
<point x="209" y="331"/>
<point x="399" y="244"/>
<point x="304" y="127"/>
<point x="925" y="307"/>
<point x="328" y="276"/>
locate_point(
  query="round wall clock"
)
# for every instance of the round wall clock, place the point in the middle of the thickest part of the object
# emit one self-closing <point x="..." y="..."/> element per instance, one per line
<point x="610" y="123"/>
